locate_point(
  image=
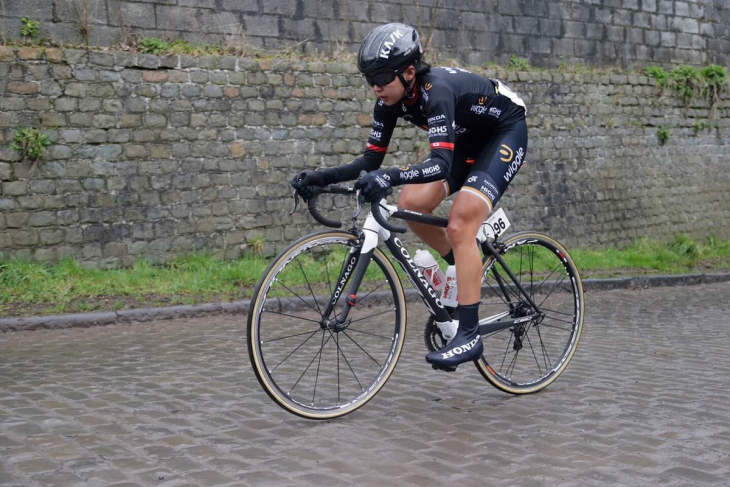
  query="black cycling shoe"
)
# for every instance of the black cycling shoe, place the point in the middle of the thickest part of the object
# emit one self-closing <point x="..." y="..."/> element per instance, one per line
<point x="466" y="346"/>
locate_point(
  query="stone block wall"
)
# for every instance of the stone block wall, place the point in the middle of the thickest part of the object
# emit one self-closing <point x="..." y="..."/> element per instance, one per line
<point x="158" y="156"/>
<point x="548" y="32"/>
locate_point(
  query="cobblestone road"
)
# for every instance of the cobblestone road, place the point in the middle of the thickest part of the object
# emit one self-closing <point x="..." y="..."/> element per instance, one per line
<point x="646" y="401"/>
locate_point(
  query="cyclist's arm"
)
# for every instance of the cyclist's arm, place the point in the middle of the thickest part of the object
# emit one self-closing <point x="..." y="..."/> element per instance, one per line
<point x="437" y="165"/>
<point x="381" y="130"/>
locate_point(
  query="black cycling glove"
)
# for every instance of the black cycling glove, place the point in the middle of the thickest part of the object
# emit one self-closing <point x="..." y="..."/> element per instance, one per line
<point x="374" y="185"/>
<point x="306" y="179"/>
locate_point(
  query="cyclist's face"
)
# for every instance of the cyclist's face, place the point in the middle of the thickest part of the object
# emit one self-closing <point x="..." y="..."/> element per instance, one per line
<point x="394" y="91"/>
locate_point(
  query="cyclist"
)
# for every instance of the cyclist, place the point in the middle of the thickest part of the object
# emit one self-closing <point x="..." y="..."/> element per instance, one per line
<point x="478" y="140"/>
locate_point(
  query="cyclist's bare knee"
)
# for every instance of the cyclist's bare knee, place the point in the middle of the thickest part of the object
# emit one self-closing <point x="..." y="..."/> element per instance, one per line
<point x="467" y="214"/>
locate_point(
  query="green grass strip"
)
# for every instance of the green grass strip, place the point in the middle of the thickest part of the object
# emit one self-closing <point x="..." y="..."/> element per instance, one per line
<point x="39" y="288"/>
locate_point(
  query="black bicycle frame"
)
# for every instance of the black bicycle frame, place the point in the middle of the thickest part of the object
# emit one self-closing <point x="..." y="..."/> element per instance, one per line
<point x="360" y="262"/>
<point x="487" y="249"/>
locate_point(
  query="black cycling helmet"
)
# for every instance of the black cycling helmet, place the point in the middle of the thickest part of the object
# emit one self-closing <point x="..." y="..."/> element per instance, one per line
<point x="389" y="48"/>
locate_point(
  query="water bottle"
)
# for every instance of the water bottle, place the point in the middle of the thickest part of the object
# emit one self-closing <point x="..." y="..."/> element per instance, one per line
<point x="430" y="269"/>
<point x="449" y="296"/>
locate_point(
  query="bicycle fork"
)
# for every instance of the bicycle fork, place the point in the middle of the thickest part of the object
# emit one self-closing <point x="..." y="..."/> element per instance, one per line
<point x="353" y="270"/>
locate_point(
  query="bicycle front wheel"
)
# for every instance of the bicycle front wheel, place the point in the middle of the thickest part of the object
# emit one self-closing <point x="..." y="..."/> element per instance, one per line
<point x="306" y="361"/>
<point x="529" y="356"/>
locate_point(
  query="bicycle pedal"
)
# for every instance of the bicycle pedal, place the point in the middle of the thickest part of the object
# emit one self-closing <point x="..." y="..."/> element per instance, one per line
<point x="443" y="367"/>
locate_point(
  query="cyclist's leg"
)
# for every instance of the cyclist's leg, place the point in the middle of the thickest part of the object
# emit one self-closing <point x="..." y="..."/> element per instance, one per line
<point x="466" y="216"/>
<point x="495" y="166"/>
<point x="470" y="209"/>
<point x="424" y="198"/>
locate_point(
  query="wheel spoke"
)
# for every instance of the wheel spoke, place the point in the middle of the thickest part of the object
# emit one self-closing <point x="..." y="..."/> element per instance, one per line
<point x="292" y="316"/>
<point x="360" y="300"/>
<point x="537" y="362"/>
<point x="327" y="273"/>
<point x="513" y="362"/>
<point x="547" y="279"/>
<point x="500" y="293"/>
<point x="506" y="351"/>
<point x="290" y="336"/>
<point x="544" y="309"/>
<point x="363" y="350"/>
<point x="319" y="352"/>
<point x="298" y="296"/>
<point x="309" y="286"/>
<point x="370" y="333"/>
<point x="557" y="327"/>
<point x="294" y="351"/>
<point x="546" y="357"/>
<point x="348" y="363"/>
<point x="371" y="316"/>
<point x="316" y="376"/>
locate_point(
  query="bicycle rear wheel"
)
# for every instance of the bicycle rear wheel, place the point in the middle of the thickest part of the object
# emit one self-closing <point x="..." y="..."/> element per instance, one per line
<point x="305" y="362"/>
<point x="529" y="356"/>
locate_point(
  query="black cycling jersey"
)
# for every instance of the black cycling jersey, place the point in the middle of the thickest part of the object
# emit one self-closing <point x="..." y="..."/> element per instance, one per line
<point x="454" y="105"/>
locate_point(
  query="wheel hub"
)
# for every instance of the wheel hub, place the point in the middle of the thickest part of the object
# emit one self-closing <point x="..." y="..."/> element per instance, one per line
<point x="334" y="325"/>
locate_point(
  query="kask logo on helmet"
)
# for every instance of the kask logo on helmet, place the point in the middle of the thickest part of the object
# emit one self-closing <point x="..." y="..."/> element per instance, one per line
<point x="388" y="44"/>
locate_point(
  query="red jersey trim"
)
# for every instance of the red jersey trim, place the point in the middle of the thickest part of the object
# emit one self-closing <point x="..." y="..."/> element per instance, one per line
<point x="442" y="145"/>
<point x="377" y="148"/>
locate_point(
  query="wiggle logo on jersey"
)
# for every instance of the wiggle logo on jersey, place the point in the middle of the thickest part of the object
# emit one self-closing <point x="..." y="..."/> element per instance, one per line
<point x="515" y="165"/>
<point x="409" y="174"/>
<point x="479" y="109"/>
<point x="506" y="152"/>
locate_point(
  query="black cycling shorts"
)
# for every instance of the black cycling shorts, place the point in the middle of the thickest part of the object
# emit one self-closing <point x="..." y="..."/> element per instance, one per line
<point x="486" y="167"/>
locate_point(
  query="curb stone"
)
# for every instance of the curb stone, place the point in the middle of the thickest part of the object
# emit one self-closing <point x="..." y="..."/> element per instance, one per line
<point x="78" y="320"/>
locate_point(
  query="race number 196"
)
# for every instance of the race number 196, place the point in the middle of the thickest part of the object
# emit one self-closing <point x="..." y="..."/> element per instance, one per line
<point x="496" y="224"/>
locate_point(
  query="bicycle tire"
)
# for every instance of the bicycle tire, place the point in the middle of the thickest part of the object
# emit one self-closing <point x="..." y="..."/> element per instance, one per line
<point x="372" y="352"/>
<point x="547" y="272"/>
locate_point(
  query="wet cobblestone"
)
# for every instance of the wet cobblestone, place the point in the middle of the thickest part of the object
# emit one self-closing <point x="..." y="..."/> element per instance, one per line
<point x="645" y="401"/>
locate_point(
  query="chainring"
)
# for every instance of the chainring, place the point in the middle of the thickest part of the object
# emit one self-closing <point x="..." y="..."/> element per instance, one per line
<point x="432" y="336"/>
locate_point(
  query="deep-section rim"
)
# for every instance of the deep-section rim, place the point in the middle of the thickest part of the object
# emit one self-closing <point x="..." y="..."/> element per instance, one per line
<point x="259" y="297"/>
<point x="483" y="366"/>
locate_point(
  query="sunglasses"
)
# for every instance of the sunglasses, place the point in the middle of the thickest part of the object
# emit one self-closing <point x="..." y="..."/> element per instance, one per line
<point x="381" y="79"/>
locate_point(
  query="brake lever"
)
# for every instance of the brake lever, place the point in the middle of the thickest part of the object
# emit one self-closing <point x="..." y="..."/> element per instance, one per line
<point x="296" y="202"/>
<point x="360" y="201"/>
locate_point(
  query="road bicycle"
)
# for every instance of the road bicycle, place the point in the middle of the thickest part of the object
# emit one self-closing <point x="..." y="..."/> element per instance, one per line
<point x="327" y="320"/>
